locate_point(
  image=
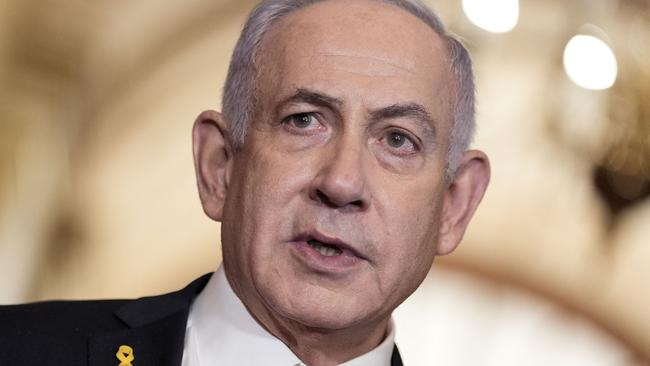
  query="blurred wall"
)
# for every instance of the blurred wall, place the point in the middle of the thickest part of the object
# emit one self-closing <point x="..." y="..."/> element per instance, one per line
<point x="97" y="191"/>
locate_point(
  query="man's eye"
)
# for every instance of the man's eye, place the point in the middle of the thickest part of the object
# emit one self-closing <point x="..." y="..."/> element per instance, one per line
<point x="302" y="120"/>
<point x="396" y="139"/>
<point x="400" y="141"/>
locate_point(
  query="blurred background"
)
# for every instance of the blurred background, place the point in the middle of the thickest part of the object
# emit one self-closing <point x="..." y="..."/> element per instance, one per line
<point x="98" y="198"/>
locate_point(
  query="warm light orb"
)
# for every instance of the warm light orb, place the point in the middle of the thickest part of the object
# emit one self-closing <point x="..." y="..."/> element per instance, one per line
<point x="590" y="63"/>
<point x="497" y="16"/>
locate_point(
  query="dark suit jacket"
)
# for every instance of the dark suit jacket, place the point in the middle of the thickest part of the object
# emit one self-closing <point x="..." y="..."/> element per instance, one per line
<point x="89" y="333"/>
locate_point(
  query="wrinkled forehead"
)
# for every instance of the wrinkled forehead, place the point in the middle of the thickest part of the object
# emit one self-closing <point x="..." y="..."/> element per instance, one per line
<point x="357" y="34"/>
<point x="364" y="28"/>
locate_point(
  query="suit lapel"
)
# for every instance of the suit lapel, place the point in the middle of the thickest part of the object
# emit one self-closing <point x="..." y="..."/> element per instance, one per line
<point x="154" y="331"/>
<point x="158" y="343"/>
<point x="395" y="359"/>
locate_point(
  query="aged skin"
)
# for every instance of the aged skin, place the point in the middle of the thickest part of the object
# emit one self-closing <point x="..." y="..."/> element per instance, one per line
<point x="337" y="204"/>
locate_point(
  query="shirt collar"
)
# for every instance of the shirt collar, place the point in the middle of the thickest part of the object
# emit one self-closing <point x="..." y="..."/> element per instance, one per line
<point x="220" y="331"/>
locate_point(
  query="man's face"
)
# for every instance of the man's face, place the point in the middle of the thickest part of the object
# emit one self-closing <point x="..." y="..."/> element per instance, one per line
<point x="334" y="204"/>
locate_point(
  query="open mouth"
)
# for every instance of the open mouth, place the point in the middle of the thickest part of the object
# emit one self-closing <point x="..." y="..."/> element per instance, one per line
<point x="324" y="249"/>
<point x="326" y="254"/>
<point x="328" y="246"/>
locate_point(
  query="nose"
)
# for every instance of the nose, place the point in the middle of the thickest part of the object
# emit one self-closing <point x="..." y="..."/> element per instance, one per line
<point x="341" y="181"/>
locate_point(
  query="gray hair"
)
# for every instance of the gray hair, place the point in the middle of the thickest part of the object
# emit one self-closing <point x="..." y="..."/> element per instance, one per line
<point x="239" y="92"/>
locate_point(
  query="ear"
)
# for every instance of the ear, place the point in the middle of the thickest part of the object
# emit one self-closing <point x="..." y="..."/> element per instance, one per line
<point x="462" y="197"/>
<point x="212" y="161"/>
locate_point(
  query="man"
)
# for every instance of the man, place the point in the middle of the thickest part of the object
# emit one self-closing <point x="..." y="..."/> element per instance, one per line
<point x="338" y="170"/>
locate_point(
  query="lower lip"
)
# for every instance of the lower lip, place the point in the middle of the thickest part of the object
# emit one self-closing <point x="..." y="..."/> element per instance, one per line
<point x="325" y="264"/>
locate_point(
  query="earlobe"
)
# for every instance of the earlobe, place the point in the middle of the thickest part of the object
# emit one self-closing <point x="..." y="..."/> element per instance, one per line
<point x="462" y="198"/>
<point x="212" y="161"/>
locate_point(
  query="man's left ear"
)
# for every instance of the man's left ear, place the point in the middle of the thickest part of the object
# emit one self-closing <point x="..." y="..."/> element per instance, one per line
<point x="462" y="197"/>
<point x="213" y="157"/>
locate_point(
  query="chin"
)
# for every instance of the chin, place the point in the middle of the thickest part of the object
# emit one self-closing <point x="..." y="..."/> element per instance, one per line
<point x="315" y="318"/>
<point x="319" y="308"/>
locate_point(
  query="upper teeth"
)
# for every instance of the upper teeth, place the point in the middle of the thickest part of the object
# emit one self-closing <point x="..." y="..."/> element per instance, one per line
<point x="324" y="249"/>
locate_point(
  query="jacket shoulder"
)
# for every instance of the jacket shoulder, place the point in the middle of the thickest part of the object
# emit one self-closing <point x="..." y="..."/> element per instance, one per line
<point x="59" y="316"/>
<point x="65" y="332"/>
<point x="53" y="332"/>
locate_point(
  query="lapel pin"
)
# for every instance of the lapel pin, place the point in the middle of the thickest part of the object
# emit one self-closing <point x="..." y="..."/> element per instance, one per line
<point x="125" y="355"/>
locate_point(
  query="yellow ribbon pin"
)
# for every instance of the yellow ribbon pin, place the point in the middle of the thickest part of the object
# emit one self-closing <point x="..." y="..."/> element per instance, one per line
<point x="125" y="355"/>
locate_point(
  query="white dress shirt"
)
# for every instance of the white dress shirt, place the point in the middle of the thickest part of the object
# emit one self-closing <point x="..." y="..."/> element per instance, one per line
<point x="220" y="331"/>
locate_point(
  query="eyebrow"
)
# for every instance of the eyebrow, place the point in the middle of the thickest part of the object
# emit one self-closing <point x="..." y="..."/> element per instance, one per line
<point x="313" y="97"/>
<point x="413" y="111"/>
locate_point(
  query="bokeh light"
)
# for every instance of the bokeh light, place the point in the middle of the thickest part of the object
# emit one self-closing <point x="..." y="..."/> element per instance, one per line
<point x="590" y="63"/>
<point x="497" y="16"/>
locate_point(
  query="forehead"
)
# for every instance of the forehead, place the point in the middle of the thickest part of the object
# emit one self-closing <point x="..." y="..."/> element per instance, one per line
<point x="360" y="49"/>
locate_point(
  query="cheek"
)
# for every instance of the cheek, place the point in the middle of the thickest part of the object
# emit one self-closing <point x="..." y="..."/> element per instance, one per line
<point x="412" y="258"/>
<point x="275" y="182"/>
<point x="411" y="226"/>
<point x="263" y="190"/>
<point x="415" y="237"/>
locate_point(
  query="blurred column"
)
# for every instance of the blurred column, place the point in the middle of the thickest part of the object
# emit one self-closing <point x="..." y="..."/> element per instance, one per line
<point x="41" y="72"/>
